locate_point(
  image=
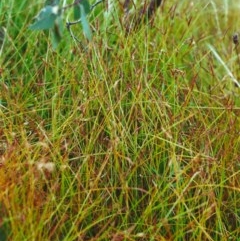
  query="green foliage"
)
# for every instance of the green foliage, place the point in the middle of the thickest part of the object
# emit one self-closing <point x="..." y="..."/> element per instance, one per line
<point x="80" y="12"/>
<point x="51" y="18"/>
<point x="57" y="32"/>
<point x="46" y="18"/>
<point x="77" y="9"/>
<point x="136" y="138"/>
<point x="85" y="24"/>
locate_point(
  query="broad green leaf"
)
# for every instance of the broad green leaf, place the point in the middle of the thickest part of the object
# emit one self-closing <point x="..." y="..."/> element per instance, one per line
<point x="86" y="5"/>
<point x="57" y="32"/>
<point x="76" y="12"/>
<point x="85" y="24"/>
<point x="46" y="18"/>
<point x="77" y="9"/>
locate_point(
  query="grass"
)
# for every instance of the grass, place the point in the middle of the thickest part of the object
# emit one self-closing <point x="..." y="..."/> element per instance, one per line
<point x="136" y="138"/>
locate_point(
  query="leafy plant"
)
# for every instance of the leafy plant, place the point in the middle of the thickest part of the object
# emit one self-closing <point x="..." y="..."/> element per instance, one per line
<point x="50" y="18"/>
<point x="51" y="15"/>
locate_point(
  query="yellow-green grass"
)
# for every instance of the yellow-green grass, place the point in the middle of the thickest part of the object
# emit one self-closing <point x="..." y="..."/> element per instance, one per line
<point x="134" y="138"/>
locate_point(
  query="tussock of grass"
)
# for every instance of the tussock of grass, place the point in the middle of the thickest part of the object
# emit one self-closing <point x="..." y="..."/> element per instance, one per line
<point x="136" y="138"/>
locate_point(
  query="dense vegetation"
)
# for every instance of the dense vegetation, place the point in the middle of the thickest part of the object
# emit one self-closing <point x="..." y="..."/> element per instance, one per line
<point x="135" y="137"/>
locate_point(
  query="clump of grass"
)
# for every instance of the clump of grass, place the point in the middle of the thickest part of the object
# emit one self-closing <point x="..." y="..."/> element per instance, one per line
<point x="135" y="139"/>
